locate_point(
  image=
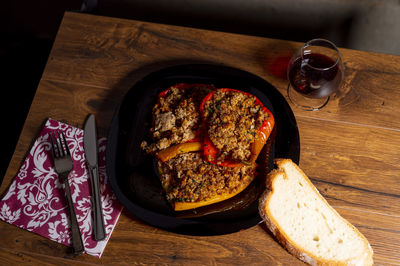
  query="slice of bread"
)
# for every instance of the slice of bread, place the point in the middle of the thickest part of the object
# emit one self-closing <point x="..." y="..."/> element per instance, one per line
<point x="304" y="222"/>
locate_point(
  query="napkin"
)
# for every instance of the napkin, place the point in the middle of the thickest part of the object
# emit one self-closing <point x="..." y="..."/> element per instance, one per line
<point x="36" y="200"/>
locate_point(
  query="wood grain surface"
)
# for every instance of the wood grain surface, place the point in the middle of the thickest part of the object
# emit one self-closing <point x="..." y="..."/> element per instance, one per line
<point x="350" y="149"/>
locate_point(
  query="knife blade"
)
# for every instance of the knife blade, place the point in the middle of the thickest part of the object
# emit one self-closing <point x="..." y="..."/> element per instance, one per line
<point x="91" y="153"/>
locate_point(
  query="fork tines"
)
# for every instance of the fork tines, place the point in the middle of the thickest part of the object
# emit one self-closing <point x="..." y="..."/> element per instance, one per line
<point x="59" y="145"/>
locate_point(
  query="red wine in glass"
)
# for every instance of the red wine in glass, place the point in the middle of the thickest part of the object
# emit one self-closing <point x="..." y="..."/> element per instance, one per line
<point x="315" y="75"/>
<point x="315" y="72"/>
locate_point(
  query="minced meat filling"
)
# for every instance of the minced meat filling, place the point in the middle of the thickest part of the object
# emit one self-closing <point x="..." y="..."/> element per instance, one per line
<point x="176" y="117"/>
<point x="233" y="120"/>
<point x="189" y="178"/>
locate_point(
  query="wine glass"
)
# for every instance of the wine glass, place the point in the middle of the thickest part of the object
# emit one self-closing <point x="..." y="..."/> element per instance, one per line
<point x="315" y="73"/>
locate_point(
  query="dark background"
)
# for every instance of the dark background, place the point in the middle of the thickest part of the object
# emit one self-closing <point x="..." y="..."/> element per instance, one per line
<point x="27" y="30"/>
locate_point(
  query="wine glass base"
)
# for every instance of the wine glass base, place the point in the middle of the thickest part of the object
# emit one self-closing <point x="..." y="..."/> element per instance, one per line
<point x="307" y="104"/>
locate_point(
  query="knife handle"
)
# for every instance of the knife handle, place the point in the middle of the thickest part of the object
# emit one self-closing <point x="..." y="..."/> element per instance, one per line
<point x="98" y="219"/>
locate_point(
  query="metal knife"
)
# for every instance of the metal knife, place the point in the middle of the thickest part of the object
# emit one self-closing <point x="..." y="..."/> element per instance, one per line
<point x="91" y="152"/>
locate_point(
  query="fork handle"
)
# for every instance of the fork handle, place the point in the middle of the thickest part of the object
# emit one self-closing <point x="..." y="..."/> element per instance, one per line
<point x="77" y="243"/>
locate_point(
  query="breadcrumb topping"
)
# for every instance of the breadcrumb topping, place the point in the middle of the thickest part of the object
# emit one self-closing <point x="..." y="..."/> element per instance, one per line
<point x="233" y="120"/>
<point x="176" y="117"/>
<point x="189" y="178"/>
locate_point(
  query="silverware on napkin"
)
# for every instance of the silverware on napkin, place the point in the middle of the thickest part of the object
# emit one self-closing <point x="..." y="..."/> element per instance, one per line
<point x="91" y="152"/>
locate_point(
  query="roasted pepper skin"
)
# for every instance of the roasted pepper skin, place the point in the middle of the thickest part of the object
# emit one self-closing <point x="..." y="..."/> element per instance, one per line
<point x="175" y="150"/>
<point x="211" y="152"/>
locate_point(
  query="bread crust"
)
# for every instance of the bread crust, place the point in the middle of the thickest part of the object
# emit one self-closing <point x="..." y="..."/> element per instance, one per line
<point x="284" y="240"/>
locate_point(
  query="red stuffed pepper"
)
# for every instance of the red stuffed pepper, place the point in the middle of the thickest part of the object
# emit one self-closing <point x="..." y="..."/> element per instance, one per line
<point x="237" y="125"/>
<point x="176" y="119"/>
<point x="190" y="97"/>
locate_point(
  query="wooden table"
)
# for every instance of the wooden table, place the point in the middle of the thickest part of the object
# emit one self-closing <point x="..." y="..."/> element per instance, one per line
<point x="350" y="149"/>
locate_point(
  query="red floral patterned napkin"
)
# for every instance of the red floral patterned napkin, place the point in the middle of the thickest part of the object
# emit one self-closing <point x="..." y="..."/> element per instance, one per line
<point x="36" y="200"/>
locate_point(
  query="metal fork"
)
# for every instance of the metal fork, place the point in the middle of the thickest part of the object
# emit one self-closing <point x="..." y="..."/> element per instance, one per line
<point x="63" y="166"/>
